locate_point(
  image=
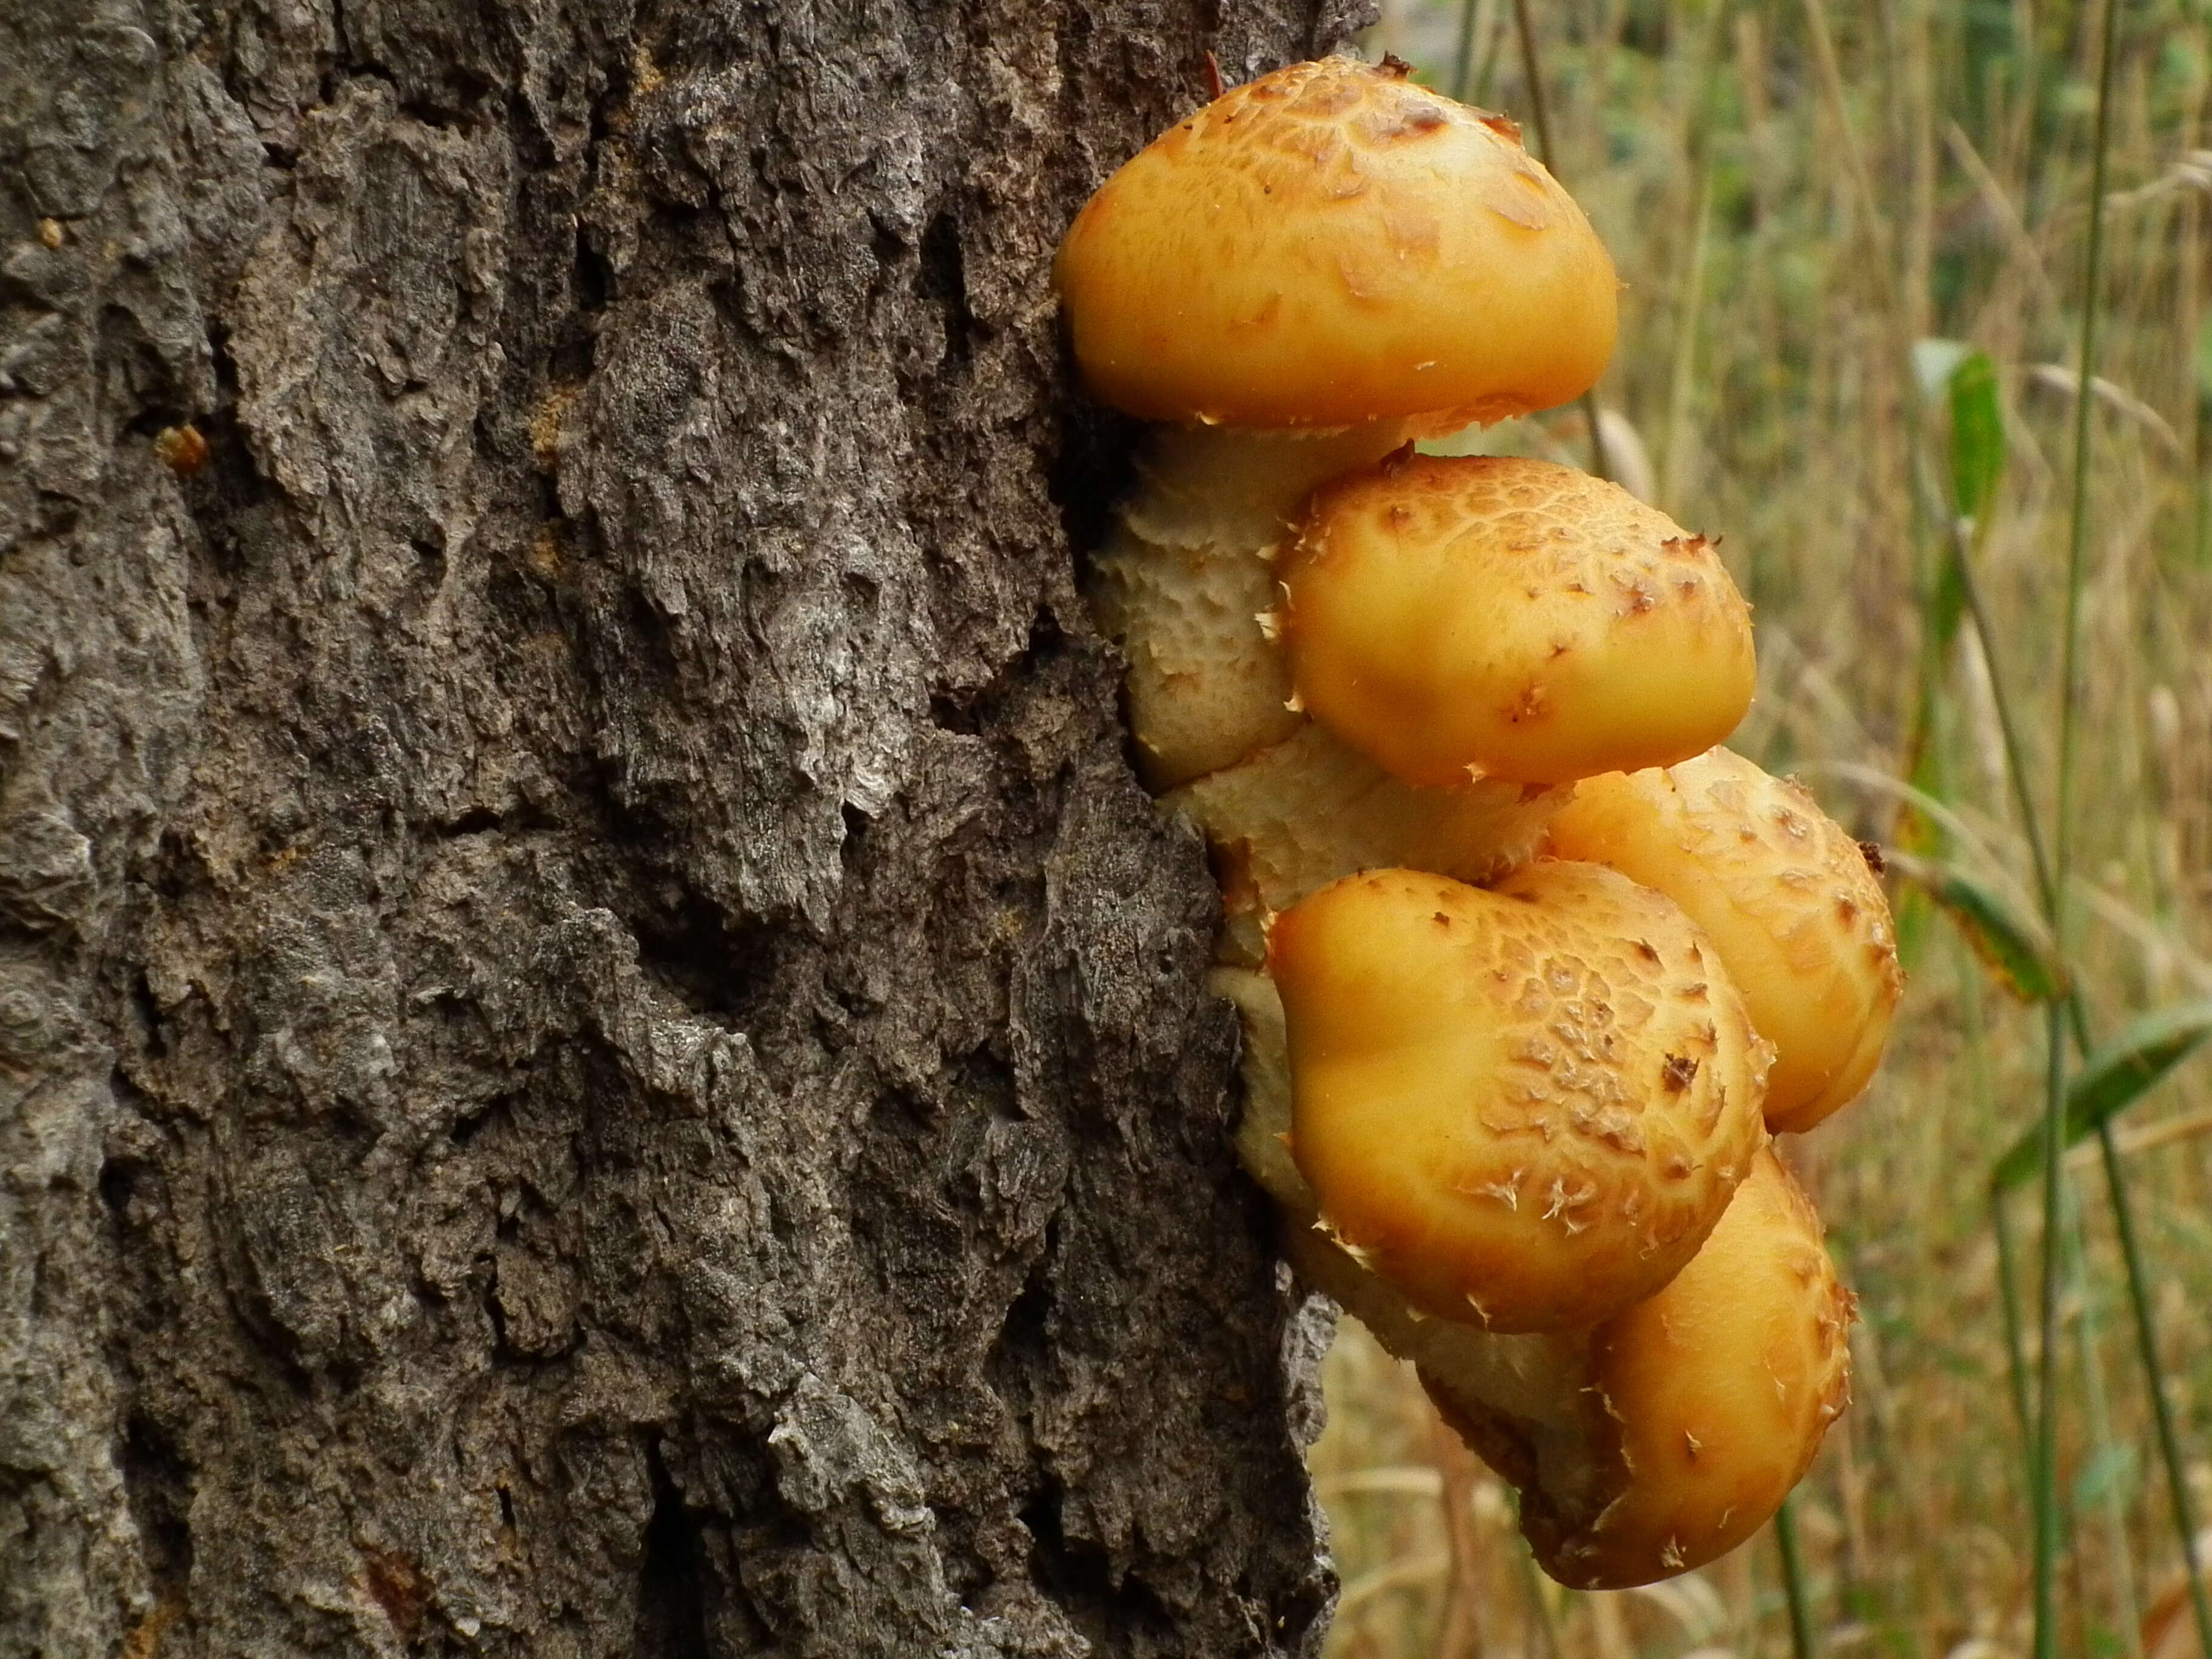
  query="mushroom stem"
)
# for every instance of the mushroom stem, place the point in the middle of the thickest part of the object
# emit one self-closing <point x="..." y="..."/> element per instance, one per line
<point x="1239" y="490"/>
<point x="1309" y="810"/>
<point x="1189" y="575"/>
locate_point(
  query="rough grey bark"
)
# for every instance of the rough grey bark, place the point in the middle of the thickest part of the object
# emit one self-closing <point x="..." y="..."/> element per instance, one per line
<point x="599" y="1052"/>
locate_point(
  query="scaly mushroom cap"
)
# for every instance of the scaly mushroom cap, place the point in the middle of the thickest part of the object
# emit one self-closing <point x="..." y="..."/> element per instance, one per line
<point x="1785" y="894"/>
<point x="1332" y="244"/>
<point x="1512" y="618"/>
<point x="1719" y="1388"/>
<point x="1524" y="1107"/>
<point x="1538" y="1379"/>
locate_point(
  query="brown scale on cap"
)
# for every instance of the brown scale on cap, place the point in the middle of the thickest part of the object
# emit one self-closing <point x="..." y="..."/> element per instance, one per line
<point x="1787" y="897"/>
<point x="1332" y="244"/>
<point x="1523" y="1107"/>
<point x="1511" y="619"/>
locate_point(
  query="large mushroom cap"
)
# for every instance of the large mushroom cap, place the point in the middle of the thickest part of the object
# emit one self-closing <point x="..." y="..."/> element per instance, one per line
<point x="1513" y="617"/>
<point x="1523" y="1107"/>
<point x="1331" y="244"/>
<point x="1787" y="898"/>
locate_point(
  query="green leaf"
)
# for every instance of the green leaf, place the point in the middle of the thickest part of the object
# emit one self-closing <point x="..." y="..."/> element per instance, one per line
<point x="2204" y="361"/>
<point x="1921" y="836"/>
<point x="2011" y="944"/>
<point x="1915" y="919"/>
<point x="1946" y="605"/>
<point x="2112" y="1079"/>
<point x="1978" y="435"/>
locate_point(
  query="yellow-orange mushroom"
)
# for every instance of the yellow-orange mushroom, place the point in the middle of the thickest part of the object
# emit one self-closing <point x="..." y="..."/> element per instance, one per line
<point x="1713" y="1396"/>
<point x="1644" y="1445"/>
<point x="1332" y="244"/>
<point x="1785" y="894"/>
<point x="1305" y="272"/>
<point x="1524" y="1107"/>
<point x="1505" y="1126"/>
<point x="1512" y="619"/>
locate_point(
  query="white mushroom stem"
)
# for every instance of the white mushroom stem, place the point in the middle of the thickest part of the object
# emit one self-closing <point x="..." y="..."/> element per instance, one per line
<point x="1306" y="811"/>
<point x="1188" y="573"/>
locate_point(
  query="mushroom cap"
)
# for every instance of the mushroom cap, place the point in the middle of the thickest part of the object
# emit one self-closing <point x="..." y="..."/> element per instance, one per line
<point x="1787" y="898"/>
<point x="1722" y="1385"/>
<point x="1523" y="1107"/>
<point x="1514" y="617"/>
<point x="1331" y="244"/>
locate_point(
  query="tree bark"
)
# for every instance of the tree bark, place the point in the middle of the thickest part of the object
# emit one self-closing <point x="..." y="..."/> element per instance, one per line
<point x="600" y="1053"/>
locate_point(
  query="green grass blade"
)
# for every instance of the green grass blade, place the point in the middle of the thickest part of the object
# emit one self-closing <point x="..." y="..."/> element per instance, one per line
<point x="1966" y="380"/>
<point x="2014" y="1332"/>
<point x="1463" y="58"/>
<point x="2147" y="1350"/>
<point x="2012" y="946"/>
<point x="2113" y="1078"/>
<point x="2062" y="847"/>
<point x="1540" y="109"/>
<point x="2043" y="1472"/>
<point x="1801" y="1644"/>
<point x="2200" y="459"/>
<point x="1978" y="437"/>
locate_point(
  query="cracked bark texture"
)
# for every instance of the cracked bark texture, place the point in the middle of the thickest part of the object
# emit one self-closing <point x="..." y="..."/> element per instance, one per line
<point x="599" y="1051"/>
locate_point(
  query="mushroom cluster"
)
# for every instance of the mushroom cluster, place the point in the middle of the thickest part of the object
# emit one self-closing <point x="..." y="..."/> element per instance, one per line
<point x="1528" y="968"/>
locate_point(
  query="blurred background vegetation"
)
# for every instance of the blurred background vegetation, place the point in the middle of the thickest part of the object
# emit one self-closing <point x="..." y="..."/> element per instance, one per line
<point x="1816" y="206"/>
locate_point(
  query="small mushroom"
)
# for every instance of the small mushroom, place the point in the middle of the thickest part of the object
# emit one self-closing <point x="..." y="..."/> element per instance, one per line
<point x="1715" y="1395"/>
<point x="1524" y="1107"/>
<point x="1785" y="894"/>
<point x="1512" y="619"/>
<point x="1331" y="244"/>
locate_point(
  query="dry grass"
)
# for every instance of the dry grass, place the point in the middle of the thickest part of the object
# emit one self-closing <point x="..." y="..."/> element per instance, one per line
<point x="1786" y="234"/>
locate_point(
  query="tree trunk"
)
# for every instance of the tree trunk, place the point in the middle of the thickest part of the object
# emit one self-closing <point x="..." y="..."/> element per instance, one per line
<point x="599" y="1051"/>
